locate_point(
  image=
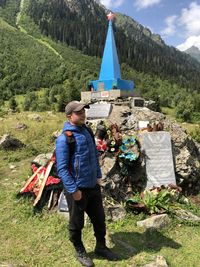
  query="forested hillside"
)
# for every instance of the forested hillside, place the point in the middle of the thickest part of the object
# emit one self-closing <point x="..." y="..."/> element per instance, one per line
<point x="83" y="24"/>
<point x="28" y="64"/>
<point x="32" y="62"/>
<point x="9" y="10"/>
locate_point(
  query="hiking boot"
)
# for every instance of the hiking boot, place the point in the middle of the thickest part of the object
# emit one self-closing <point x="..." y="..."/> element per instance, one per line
<point x="105" y="252"/>
<point x="83" y="258"/>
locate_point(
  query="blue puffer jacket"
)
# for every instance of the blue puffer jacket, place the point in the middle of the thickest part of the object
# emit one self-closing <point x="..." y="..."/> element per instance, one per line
<point x="82" y="168"/>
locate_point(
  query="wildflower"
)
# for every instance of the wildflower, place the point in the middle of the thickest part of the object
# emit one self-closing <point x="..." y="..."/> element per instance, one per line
<point x="112" y="143"/>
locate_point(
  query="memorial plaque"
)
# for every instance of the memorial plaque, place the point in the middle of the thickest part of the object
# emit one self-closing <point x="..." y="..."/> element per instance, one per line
<point x="95" y="95"/>
<point x="142" y="124"/>
<point x="105" y="94"/>
<point x="62" y="203"/>
<point x="137" y="102"/>
<point x="159" y="160"/>
<point x="98" y="111"/>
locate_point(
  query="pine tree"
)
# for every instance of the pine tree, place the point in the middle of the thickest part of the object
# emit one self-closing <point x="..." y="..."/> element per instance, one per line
<point x="12" y="103"/>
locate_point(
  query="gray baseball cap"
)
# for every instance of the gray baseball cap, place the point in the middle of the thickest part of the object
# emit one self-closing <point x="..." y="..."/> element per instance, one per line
<point x="74" y="106"/>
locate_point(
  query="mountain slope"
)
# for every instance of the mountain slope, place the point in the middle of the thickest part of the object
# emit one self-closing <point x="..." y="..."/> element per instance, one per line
<point x="25" y="58"/>
<point x="9" y="10"/>
<point x="83" y="24"/>
<point x="30" y="61"/>
<point x="193" y="52"/>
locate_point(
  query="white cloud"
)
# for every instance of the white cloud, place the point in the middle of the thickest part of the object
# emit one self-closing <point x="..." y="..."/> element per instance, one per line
<point x="190" y="19"/>
<point x="112" y="3"/>
<point x="186" y="24"/>
<point x="142" y="4"/>
<point x="191" y="41"/>
<point x="170" y="26"/>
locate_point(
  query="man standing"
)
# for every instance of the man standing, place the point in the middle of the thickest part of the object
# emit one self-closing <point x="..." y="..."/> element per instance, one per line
<point x="81" y="176"/>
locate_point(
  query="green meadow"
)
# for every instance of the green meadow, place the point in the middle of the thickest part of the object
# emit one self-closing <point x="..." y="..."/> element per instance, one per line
<point x="39" y="237"/>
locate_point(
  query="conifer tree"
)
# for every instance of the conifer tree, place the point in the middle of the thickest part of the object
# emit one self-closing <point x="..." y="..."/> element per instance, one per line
<point x="12" y="103"/>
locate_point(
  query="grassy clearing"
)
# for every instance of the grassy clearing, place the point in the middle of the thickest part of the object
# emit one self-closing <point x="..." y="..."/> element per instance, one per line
<point x="169" y="112"/>
<point x="40" y="239"/>
<point x="189" y="127"/>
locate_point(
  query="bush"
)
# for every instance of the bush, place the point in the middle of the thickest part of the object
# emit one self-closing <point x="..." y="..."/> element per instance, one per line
<point x="183" y="112"/>
<point x="12" y="103"/>
<point x="196" y="134"/>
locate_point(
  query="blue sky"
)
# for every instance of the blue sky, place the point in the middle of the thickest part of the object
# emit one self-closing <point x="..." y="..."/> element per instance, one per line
<point x="178" y="22"/>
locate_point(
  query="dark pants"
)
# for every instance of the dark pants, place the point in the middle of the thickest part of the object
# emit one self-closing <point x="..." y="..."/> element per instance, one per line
<point x="91" y="203"/>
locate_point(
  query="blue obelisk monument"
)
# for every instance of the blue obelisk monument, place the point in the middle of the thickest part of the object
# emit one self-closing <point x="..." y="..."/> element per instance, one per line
<point x="110" y="74"/>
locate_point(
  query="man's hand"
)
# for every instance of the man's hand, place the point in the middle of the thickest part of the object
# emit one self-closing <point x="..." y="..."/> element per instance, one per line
<point x="77" y="195"/>
<point x="99" y="181"/>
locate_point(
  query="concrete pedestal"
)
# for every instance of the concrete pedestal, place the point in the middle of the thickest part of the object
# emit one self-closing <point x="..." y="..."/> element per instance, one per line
<point x="105" y="95"/>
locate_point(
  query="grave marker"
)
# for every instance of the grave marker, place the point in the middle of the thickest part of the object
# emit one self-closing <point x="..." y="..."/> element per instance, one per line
<point x="159" y="160"/>
<point x="98" y="111"/>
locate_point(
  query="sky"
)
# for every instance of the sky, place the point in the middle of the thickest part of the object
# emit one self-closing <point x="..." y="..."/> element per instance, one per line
<point x="177" y="21"/>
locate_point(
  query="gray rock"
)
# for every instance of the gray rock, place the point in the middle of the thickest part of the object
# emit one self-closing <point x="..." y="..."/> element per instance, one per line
<point x="50" y="114"/>
<point x="115" y="212"/>
<point x="186" y="152"/>
<point x="158" y="262"/>
<point x="9" y="142"/>
<point x="186" y="215"/>
<point x="21" y="126"/>
<point x="157" y="221"/>
<point x="56" y="134"/>
<point x="35" y="117"/>
<point x="186" y="157"/>
<point x="141" y="114"/>
<point x="42" y="159"/>
<point x="108" y="164"/>
<point x="12" y="167"/>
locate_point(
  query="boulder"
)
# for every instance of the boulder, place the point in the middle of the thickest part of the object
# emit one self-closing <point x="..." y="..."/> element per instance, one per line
<point x="158" y="262"/>
<point x="9" y="142"/>
<point x="140" y="114"/>
<point x="114" y="212"/>
<point x="186" y="152"/>
<point x="108" y="164"/>
<point x="35" y="117"/>
<point x="186" y="157"/>
<point x="186" y="215"/>
<point x="157" y="222"/>
<point x="56" y="134"/>
<point x="113" y="183"/>
<point x="21" y="126"/>
<point x="42" y="159"/>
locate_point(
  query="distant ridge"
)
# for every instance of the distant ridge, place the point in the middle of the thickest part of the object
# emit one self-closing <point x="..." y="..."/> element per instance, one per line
<point x="193" y="52"/>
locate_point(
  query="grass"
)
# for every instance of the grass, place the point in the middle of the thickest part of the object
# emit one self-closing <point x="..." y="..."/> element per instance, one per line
<point x="189" y="127"/>
<point x="41" y="239"/>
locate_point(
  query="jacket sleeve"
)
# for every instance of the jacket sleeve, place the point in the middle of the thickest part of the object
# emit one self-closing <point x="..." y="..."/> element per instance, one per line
<point x="62" y="158"/>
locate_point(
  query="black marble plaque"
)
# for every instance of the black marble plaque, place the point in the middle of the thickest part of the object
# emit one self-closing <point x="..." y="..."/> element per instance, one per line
<point x="159" y="160"/>
<point x="62" y="203"/>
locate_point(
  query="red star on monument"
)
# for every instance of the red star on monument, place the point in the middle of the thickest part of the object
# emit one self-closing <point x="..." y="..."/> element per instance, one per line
<point x="110" y="16"/>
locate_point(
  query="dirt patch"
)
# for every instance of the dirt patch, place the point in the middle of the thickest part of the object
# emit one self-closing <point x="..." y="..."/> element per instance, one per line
<point x="195" y="200"/>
